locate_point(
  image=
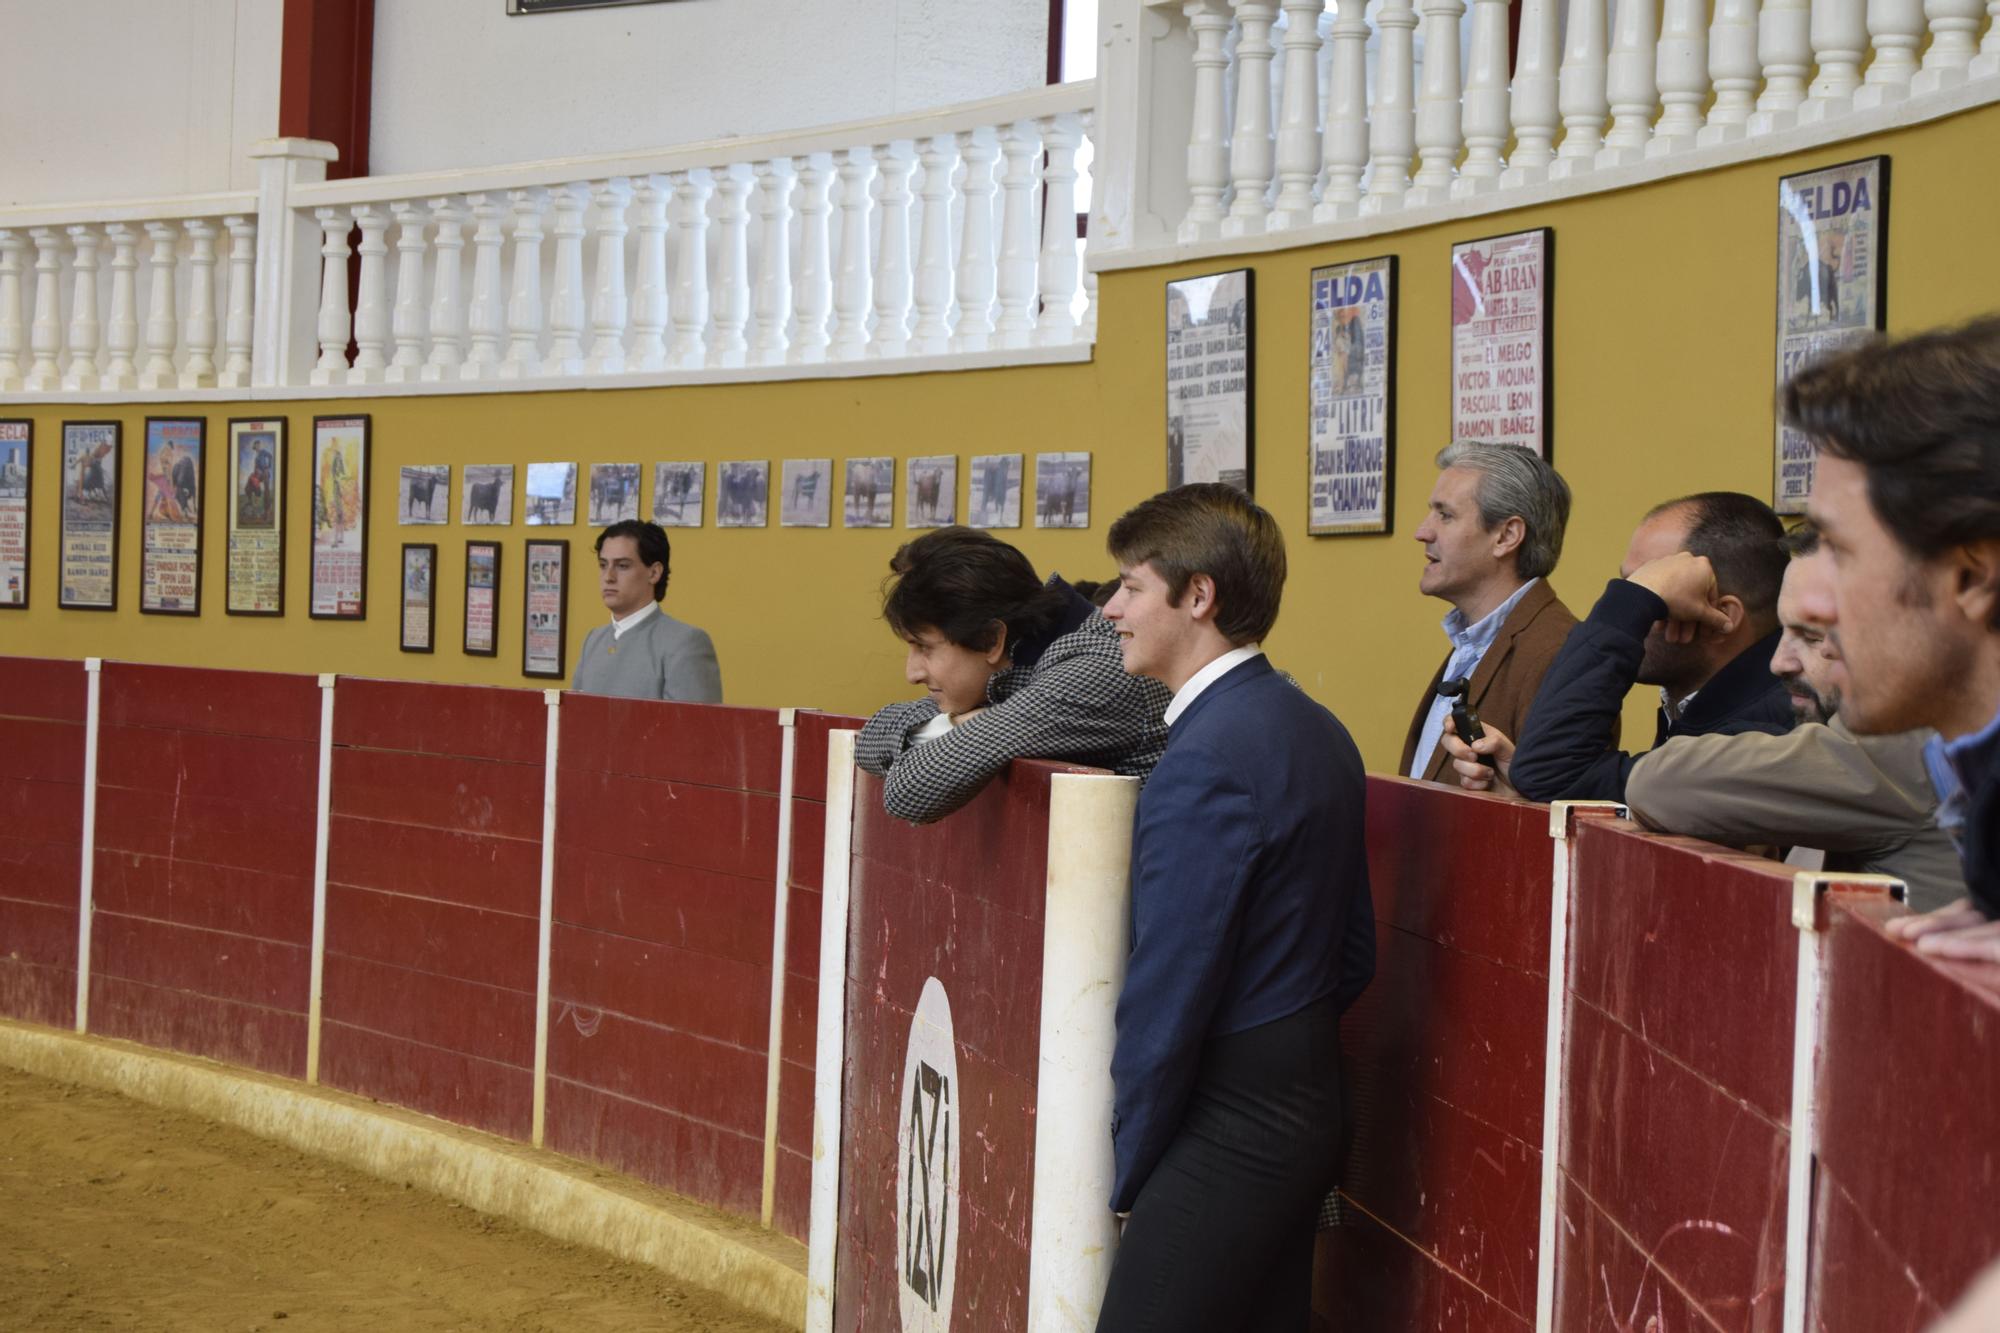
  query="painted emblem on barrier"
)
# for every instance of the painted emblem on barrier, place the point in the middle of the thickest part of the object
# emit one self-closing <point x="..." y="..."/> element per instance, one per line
<point x="927" y="1167"/>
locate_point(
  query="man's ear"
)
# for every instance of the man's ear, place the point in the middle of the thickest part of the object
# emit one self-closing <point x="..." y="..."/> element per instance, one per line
<point x="1731" y="606"/>
<point x="997" y="654"/>
<point x="1507" y="538"/>
<point x="1201" y="597"/>
<point x="1976" y="581"/>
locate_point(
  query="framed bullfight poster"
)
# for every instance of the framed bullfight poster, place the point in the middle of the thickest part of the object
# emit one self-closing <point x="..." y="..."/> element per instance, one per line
<point x="419" y="585"/>
<point x="1351" y="398"/>
<point x="545" y="605"/>
<point x="482" y="599"/>
<point x="255" y="576"/>
<point x="1209" y="371"/>
<point x="17" y="452"/>
<point x="339" y="519"/>
<point x="1502" y="318"/>
<point x="170" y="516"/>
<point x="89" y="536"/>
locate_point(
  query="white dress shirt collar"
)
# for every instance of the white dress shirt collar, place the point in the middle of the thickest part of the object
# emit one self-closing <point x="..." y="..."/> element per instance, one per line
<point x="637" y="618"/>
<point x="1208" y="675"/>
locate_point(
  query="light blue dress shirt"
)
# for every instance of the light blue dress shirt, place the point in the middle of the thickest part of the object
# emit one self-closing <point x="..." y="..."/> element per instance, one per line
<point x="1954" y="766"/>
<point x="1468" y="648"/>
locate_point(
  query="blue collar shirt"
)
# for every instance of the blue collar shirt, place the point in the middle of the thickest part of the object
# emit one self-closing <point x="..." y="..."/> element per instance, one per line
<point x="1469" y="644"/>
<point x="1956" y="768"/>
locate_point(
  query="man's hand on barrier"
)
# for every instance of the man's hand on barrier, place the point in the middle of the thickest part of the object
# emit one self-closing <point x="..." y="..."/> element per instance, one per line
<point x="1961" y="915"/>
<point x="1969" y="944"/>
<point x="1686" y="583"/>
<point x="1474" y="774"/>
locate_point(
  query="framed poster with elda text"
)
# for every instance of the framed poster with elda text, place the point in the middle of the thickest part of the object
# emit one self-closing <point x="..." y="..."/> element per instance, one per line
<point x="340" y="518"/>
<point x="1209" y="373"/>
<point x="1833" y="275"/>
<point x="1502" y="320"/>
<point x="545" y="605"/>
<point x="89" y="545"/>
<point x="1351" y="398"/>
<point x="17" y="458"/>
<point x="175" y="473"/>
<point x="258" y="468"/>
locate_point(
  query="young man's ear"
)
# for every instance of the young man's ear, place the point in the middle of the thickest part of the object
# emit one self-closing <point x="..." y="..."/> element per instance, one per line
<point x="1201" y="597"/>
<point x="1976" y="585"/>
<point x="997" y="653"/>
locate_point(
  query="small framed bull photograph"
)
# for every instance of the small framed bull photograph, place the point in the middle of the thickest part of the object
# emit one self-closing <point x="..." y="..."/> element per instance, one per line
<point x="89" y="537"/>
<point x="931" y="499"/>
<point x="995" y="501"/>
<point x="807" y="499"/>
<point x="340" y="518"/>
<point x="258" y="468"/>
<point x="871" y="493"/>
<point x="743" y="494"/>
<point x="419" y="584"/>
<point x="1210" y="372"/>
<point x="17" y="452"/>
<point x="1062" y="490"/>
<point x="489" y="495"/>
<point x="614" y="493"/>
<point x="170" y="520"/>
<point x="482" y="599"/>
<point x="423" y="495"/>
<point x="677" y="494"/>
<point x="545" y="608"/>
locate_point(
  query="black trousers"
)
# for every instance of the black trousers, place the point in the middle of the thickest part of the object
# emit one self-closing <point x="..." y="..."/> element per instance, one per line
<point x="1221" y="1235"/>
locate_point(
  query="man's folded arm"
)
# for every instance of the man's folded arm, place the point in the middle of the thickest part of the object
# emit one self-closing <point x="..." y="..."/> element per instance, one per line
<point x="1567" y="749"/>
<point x="886" y="735"/>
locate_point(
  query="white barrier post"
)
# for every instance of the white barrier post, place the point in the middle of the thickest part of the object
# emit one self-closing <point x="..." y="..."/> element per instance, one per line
<point x="774" y="1041"/>
<point x="86" y="882"/>
<point x="322" y="830"/>
<point x="553" y="699"/>
<point x="824" y="1233"/>
<point x="1073" y="1236"/>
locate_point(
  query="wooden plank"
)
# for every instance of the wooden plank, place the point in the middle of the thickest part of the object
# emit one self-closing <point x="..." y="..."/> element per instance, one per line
<point x="237" y="703"/>
<point x="468" y="721"/>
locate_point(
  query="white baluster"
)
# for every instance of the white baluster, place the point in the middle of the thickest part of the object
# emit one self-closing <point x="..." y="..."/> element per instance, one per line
<point x="1485" y="120"/>
<point x="976" y="272"/>
<point x="690" y="299"/>
<point x="1953" y="25"/>
<point x="1681" y="69"/>
<point x="609" y="305"/>
<point x="13" y="333"/>
<point x="448" y="312"/>
<point x="1839" y="34"/>
<point x="371" y="303"/>
<point x="45" y="328"/>
<point x="1535" y="106"/>
<point x="1298" y="116"/>
<point x="568" y="308"/>
<point x="1628" y="80"/>
<point x="121" y="334"/>
<point x="1208" y="145"/>
<point x="524" y="294"/>
<point x="732" y="276"/>
<point x="1060" y="137"/>
<point x="81" y="373"/>
<point x="1019" y="143"/>
<point x="930" y="333"/>
<point x="1392" y="121"/>
<point x="1733" y="69"/>
<point x="649" y="297"/>
<point x="892" y="263"/>
<point x="1987" y="64"/>
<point x="812" y="294"/>
<point x="485" y="314"/>
<point x="406" y="321"/>
<point x="852" y="286"/>
<point x="1089" y="330"/>
<point x="199" y="339"/>
<point x="162" y="331"/>
<point x="239" y="328"/>
<point x="1440" y="107"/>
<point x="1345" y="143"/>
<point x="774" y="261"/>
<point x="1583" y="100"/>
<point x="1784" y="49"/>
<point x="1250" y="145"/>
<point x="1895" y="31"/>
<point x="332" y="328"/>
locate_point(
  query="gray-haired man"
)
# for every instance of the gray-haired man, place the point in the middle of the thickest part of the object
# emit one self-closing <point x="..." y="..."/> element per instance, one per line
<point x="1492" y="536"/>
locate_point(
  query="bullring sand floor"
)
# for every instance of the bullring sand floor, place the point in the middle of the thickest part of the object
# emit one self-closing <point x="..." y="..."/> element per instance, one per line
<point x="118" y="1215"/>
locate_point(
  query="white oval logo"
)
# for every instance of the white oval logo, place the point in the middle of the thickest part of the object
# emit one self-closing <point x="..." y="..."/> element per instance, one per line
<point x="927" y="1167"/>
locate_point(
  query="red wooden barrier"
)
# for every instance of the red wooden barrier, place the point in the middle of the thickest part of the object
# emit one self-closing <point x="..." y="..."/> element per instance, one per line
<point x="1909" y="1127"/>
<point x="41" y="836"/>
<point x="434" y="899"/>
<point x="660" y="967"/>
<point x="1677" y="1097"/>
<point x="1444" y="1057"/>
<point x="207" y="794"/>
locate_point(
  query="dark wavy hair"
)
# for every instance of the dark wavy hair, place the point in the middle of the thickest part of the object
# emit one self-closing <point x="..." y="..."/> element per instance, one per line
<point x="966" y="585"/>
<point x="1741" y="537"/>
<point x="654" y="548"/>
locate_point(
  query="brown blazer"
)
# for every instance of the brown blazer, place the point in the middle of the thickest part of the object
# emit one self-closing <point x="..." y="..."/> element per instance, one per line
<point x="1504" y="684"/>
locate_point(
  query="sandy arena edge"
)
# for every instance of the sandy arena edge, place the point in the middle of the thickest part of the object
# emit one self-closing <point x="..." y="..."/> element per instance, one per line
<point x="757" y="1269"/>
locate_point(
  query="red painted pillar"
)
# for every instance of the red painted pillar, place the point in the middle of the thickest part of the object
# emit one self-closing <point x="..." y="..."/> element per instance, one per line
<point x="326" y="76"/>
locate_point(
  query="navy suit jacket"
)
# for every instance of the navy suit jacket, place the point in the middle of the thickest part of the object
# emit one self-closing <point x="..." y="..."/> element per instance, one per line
<point x="1249" y="895"/>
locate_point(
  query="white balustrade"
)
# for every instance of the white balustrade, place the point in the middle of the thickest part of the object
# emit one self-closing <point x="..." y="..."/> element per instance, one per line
<point x="938" y="156"/>
<point x="567" y="306"/>
<point x="732" y="280"/>
<point x="1208" y="146"/>
<point x="81" y="373"/>
<point x="1839" y="34"/>
<point x="689" y="302"/>
<point x="1954" y="24"/>
<point x="609" y="305"/>
<point x="1784" y="48"/>
<point x="121" y="339"/>
<point x="333" y="316"/>
<point x="45" y="329"/>
<point x="1061" y="135"/>
<point x="1250" y="158"/>
<point x="1895" y="31"/>
<point x="371" y="304"/>
<point x="1440" y="110"/>
<point x="238" y="321"/>
<point x="775" y="182"/>
<point x="485" y="315"/>
<point x="1733" y="71"/>
<point x="649" y="295"/>
<point x="1019" y="144"/>
<point x="524" y="292"/>
<point x="853" y="285"/>
<point x="12" y="332"/>
<point x="1986" y="64"/>
<point x="978" y="276"/>
<point x="1535" y="104"/>
<point x="447" y="313"/>
<point x="1681" y="71"/>
<point x="812" y="293"/>
<point x="1344" y="143"/>
<point x="1392" y="120"/>
<point x="1629" y="81"/>
<point x="199" y="338"/>
<point x="893" y="165"/>
<point x="1583" y="98"/>
<point x="406" y="322"/>
<point x="1299" y="149"/>
<point x="162" y="331"/>
<point x="1485" y="123"/>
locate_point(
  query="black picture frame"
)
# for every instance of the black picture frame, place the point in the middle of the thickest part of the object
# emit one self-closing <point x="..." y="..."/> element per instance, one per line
<point x="1239" y="322"/>
<point x="492" y="648"/>
<point x="1348" y="297"/>
<point x="148" y="559"/>
<point x="279" y="487"/>
<point x="114" y="450"/>
<point x="426" y="613"/>
<point x="358" y="608"/>
<point x="1544" y="343"/>
<point x="18" y="431"/>
<point x="540" y="553"/>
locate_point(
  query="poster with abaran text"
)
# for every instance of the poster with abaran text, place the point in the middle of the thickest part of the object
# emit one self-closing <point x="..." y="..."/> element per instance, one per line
<point x="1351" y="398"/>
<point x="1832" y="284"/>
<point x="17" y="453"/>
<point x="340" y="518"/>
<point x="482" y="598"/>
<point x="257" y="472"/>
<point x="1209" y="372"/>
<point x="89" y="539"/>
<point x="545" y="603"/>
<point x="1501" y="319"/>
<point x="170" y="516"/>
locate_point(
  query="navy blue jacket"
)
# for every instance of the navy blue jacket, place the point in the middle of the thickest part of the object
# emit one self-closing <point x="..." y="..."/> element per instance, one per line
<point x="1568" y="747"/>
<point x="1249" y="895"/>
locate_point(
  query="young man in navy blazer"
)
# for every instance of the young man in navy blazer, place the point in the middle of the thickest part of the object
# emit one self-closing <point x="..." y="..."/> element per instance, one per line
<point x="1252" y="931"/>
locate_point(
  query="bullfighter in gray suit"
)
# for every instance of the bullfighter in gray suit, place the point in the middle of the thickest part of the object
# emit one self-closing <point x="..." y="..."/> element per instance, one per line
<point x="644" y="653"/>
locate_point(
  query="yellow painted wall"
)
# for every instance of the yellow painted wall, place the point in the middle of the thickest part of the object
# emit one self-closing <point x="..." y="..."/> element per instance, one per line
<point x="1663" y="374"/>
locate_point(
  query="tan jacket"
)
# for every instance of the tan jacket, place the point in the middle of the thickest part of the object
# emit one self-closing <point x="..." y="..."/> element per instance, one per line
<point x="1865" y="800"/>
<point x="1504" y="683"/>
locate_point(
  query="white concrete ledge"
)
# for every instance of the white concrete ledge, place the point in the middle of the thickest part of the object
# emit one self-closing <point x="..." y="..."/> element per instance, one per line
<point x="759" y="1270"/>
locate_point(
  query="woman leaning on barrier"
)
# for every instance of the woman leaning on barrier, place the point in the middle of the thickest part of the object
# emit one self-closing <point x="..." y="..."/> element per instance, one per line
<point x="1012" y="667"/>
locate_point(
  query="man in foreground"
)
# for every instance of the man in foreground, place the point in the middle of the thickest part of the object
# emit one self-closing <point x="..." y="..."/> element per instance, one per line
<point x="644" y="653"/>
<point x="1252" y="931"/>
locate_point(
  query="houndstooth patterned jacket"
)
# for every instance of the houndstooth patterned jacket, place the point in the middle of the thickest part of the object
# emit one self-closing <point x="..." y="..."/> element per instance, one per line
<point x="1072" y="700"/>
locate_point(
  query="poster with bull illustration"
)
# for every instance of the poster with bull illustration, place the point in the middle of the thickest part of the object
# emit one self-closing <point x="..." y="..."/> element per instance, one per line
<point x="871" y="493"/>
<point x="743" y="494"/>
<point x="423" y="495"/>
<point x="89" y="539"/>
<point x="551" y="498"/>
<point x="1501" y="326"/>
<point x="1832" y="280"/>
<point x="1209" y="370"/>
<point x="339" y="518"/>
<point x="17" y="447"/>
<point x="1062" y="490"/>
<point x="257" y="471"/>
<point x="930" y="497"/>
<point x="170" y="519"/>
<point x="677" y="494"/>
<point x="614" y="493"/>
<point x="1351" y="398"/>
<point x="995" y="501"/>
<point x="489" y="495"/>
<point x="807" y="498"/>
